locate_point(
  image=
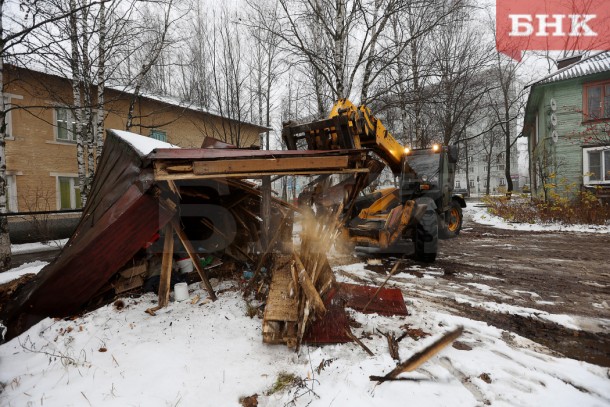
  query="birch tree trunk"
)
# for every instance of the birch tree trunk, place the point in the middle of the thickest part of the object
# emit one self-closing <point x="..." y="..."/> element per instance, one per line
<point x="5" y="239"/>
<point x="77" y="105"/>
<point x="377" y="28"/>
<point x="88" y="130"/>
<point x="101" y="78"/>
<point x="339" y="54"/>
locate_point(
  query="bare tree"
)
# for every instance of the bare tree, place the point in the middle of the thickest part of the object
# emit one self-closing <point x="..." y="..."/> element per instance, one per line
<point x="339" y="39"/>
<point x="506" y="105"/>
<point x="16" y="28"/>
<point x="156" y="39"/>
<point x="461" y="59"/>
<point x="263" y="25"/>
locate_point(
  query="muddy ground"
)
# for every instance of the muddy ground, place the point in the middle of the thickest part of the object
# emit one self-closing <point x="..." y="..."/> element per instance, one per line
<point x="525" y="283"/>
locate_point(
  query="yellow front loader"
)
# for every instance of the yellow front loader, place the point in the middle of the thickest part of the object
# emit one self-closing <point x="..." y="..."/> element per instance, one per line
<point x="422" y="208"/>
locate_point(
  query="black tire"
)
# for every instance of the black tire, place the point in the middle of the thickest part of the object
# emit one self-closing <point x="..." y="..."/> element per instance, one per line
<point x="452" y="224"/>
<point x="426" y="238"/>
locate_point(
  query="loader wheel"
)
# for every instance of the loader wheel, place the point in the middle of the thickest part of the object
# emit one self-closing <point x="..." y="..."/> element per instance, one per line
<point x="453" y="221"/>
<point x="426" y="237"/>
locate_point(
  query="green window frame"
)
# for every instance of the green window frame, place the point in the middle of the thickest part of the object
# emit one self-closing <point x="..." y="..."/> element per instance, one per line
<point x="160" y="135"/>
<point x="69" y="193"/>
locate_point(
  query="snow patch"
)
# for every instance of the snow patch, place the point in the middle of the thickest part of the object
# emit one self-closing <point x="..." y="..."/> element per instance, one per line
<point x="145" y="145"/>
<point x="27" y="268"/>
<point x="26" y="248"/>
<point x="480" y="215"/>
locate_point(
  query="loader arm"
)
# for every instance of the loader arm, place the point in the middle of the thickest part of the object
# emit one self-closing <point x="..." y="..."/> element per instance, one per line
<point x="347" y="127"/>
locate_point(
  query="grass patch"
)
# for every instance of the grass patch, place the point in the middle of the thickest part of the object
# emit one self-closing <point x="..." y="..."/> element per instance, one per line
<point x="284" y="381"/>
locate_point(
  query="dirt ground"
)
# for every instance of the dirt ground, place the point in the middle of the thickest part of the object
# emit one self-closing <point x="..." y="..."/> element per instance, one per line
<point x="524" y="282"/>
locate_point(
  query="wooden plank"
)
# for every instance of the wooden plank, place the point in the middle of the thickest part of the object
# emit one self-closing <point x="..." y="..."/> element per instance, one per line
<point x="280" y="306"/>
<point x="267" y="165"/>
<point x="133" y="271"/>
<point x="166" y="266"/>
<point x="266" y="212"/>
<point x="163" y="176"/>
<point x="194" y="258"/>
<point x="128" y="284"/>
<point x="308" y="288"/>
<point x="420" y="357"/>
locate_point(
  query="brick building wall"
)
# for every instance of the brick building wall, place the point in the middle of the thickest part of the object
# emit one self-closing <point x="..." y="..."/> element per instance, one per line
<point x="39" y="164"/>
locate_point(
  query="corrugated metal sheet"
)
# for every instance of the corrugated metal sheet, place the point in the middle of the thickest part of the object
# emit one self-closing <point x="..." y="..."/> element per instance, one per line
<point x="597" y="63"/>
<point x="122" y="213"/>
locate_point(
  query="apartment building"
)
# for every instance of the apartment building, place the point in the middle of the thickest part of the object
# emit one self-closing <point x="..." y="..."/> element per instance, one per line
<point x="41" y="158"/>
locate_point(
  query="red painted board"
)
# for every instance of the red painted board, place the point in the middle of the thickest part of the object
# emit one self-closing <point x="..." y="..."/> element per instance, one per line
<point x="331" y="328"/>
<point x="389" y="301"/>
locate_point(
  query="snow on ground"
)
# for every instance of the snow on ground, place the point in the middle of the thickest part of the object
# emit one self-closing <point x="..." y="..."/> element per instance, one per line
<point x="211" y="354"/>
<point x="480" y="215"/>
<point x="27" y="268"/>
<point x="27" y="248"/>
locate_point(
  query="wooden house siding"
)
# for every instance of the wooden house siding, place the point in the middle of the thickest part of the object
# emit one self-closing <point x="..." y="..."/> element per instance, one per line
<point x="567" y="153"/>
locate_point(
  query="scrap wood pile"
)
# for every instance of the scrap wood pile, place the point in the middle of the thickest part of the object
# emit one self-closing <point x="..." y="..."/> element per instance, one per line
<point x="299" y="282"/>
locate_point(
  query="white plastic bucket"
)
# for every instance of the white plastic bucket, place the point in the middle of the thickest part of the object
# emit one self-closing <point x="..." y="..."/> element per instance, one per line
<point x="181" y="292"/>
<point x="185" y="265"/>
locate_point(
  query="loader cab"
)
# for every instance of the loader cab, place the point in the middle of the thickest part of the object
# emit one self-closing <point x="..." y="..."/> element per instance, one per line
<point x="427" y="172"/>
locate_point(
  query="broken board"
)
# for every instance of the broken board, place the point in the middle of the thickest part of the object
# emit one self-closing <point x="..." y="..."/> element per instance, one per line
<point x="281" y="312"/>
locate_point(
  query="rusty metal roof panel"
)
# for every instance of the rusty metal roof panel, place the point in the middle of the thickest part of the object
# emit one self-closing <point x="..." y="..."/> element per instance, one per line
<point x="122" y="213"/>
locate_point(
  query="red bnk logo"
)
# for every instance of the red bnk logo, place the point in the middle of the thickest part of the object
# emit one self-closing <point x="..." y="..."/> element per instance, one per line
<point x="552" y="25"/>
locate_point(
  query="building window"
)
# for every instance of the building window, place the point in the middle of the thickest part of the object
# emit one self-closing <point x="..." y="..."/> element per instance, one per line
<point x="471" y="183"/>
<point x="597" y="101"/>
<point x="457" y="184"/>
<point x="500" y="167"/>
<point x="502" y="182"/>
<point x="158" y="135"/>
<point x="471" y="159"/>
<point x="65" y="124"/>
<point x="596" y="165"/>
<point x="11" y="193"/>
<point x="68" y="193"/>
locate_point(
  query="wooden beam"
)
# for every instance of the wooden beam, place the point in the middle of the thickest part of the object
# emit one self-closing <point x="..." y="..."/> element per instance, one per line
<point x="166" y="266"/>
<point x="161" y="175"/>
<point x="268" y="165"/>
<point x="420" y="357"/>
<point x="194" y="258"/>
<point x="308" y="288"/>
<point x="266" y="212"/>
